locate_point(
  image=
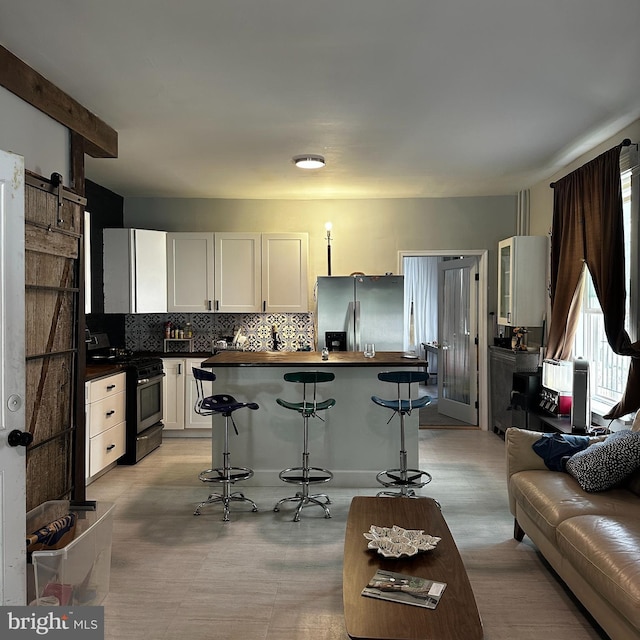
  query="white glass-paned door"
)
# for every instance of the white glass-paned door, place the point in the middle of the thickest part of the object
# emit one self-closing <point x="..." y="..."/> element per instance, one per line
<point x="457" y="340"/>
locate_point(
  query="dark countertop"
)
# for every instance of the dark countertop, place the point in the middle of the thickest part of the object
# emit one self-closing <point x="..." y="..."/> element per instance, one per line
<point x="310" y="359"/>
<point x="172" y="354"/>
<point x="271" y="358"/>
<point x="95" y="371"/>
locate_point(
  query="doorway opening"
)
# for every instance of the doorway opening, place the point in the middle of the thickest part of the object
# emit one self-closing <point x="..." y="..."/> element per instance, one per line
<point x="439" y="351"/>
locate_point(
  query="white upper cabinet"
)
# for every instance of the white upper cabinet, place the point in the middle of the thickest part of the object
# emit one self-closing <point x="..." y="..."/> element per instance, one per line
<point x="522" y="270"/>
<point x="190" y="269"/>
<point x="284" y="272"/>
<point x="237" y="273"/>
<point x="135" y="271"/>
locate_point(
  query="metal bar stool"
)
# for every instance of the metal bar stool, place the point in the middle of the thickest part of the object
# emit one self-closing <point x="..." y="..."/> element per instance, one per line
<point x="307" y="475"/>
<point x="226" y="475"/>
<point x="406" y="480"/>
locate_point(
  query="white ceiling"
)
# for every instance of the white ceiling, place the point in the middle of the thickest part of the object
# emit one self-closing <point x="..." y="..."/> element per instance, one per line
<point x="404" y="98"/>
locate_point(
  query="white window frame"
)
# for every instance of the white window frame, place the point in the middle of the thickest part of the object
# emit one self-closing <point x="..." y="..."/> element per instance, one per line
<point x="608" y="370"/>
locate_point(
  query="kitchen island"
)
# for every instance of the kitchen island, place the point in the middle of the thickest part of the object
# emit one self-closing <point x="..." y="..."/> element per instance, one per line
<point x="355" y="442"/>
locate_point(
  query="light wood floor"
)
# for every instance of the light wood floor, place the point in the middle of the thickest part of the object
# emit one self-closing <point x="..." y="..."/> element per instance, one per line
<point x="176" y="576"/>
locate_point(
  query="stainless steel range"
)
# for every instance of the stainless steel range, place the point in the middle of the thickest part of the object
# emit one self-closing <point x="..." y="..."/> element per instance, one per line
<point x="144" y="395"/>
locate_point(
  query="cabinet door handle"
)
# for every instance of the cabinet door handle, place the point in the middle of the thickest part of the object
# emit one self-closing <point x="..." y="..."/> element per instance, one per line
<point x="111" y="446"/>
<point x="217" y="305"/>
<point x="179" y="369"/>
<point x="110" y="413"/>
<point x="264" y="305"/>
<point x="208" y="305"/>
<point x="110" y="387"/>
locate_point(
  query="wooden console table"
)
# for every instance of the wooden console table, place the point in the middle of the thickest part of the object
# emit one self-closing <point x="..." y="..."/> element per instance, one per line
<point x="456" y="615"/>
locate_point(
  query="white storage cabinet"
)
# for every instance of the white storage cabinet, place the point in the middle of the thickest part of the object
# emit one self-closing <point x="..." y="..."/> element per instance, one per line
<point x="180" y="395"/>
<point x="285" y="272"/>
<point x="135" y="271"/>
<point x="105" y="406"/>
<point x="190" y="272"/>
<point x="237" y="272"/>
<point x="522" y="271"/>
<point x="173" y="393"/>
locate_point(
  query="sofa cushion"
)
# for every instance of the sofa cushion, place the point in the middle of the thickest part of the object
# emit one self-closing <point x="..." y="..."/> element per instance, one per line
<point x="604" y="550"/>
<point x="550" y="497"/>
<point x="519" y="450"/>
<point x="605" y="464"/>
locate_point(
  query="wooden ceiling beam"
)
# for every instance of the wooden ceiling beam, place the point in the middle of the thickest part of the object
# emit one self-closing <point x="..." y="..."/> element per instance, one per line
<point x="101" y="141"/>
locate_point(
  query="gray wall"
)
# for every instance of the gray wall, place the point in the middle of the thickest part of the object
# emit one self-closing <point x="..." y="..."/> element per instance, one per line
<point x="43" y="142"/>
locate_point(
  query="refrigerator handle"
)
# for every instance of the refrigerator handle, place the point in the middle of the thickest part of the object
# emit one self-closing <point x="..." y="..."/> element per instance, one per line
<point x="356" y="317"/>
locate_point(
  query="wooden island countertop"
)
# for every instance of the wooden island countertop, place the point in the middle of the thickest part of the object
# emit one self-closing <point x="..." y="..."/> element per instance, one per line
<point x="311" y="359"/>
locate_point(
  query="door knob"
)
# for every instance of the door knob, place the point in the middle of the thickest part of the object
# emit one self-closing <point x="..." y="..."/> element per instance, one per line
<point x="17" y="438"/>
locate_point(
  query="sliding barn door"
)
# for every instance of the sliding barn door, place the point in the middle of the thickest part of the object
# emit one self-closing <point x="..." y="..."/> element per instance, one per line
<point x="53" y="233"/>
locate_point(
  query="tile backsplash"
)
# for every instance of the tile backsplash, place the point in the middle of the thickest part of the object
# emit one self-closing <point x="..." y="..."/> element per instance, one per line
<point x="145" y="332"/>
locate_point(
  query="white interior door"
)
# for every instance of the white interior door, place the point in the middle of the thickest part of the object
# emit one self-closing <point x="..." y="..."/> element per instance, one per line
<point x="458" y="339"/>
<point x="12" y="381"/>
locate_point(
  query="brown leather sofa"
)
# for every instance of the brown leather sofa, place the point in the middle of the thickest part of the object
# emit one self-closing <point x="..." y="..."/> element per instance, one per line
<point x="592" y="540"/>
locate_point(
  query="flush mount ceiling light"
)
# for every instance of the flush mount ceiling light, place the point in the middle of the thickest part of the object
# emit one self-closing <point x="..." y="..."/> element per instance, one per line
<point x="309" y="161"/>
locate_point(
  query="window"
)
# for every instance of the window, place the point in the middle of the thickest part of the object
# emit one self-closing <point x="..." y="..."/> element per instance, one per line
<point x="608" y="370"/>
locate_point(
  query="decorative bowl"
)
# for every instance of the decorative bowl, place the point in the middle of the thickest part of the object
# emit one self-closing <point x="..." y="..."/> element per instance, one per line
<point x="396" y="542"/>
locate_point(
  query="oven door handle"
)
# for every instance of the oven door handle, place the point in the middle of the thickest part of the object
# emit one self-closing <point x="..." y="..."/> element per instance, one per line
<point x="142" y="381"/>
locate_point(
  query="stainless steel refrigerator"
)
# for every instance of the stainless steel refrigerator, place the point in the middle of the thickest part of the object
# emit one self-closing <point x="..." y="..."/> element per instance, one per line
<point x="366" y="308"/>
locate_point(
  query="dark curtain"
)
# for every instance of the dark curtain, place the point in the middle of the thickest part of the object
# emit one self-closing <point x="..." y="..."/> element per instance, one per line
<point x="588" y="229"/>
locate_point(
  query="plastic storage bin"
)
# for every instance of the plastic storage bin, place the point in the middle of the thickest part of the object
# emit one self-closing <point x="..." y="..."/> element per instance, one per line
<point x="78" y="573"/>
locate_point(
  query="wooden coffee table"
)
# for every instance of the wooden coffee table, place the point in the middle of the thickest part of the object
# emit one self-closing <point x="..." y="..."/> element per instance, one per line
<point x="456" y="615"/>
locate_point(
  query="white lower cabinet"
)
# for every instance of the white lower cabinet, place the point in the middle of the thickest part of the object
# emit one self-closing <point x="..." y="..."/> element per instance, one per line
<point x="105" y="408"/>
<point x="193" y="420"/>
<point x="180" y="394"/>
<point x="173" y="393"/>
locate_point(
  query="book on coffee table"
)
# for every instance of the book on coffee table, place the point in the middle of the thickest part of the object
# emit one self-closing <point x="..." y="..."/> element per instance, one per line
<point x="406" y="589"/>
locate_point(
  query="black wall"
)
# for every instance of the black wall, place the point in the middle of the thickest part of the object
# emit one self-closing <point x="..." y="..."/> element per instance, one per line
<point x="107" y="210"/>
